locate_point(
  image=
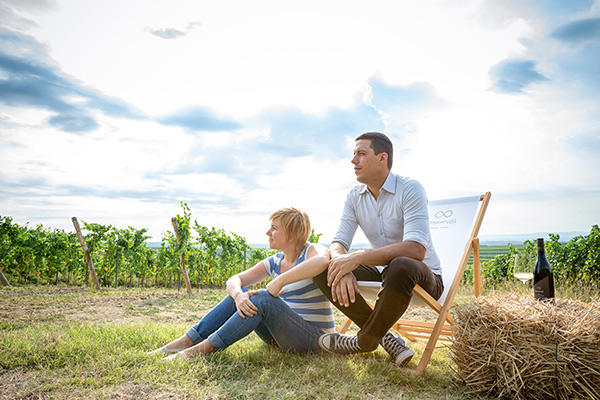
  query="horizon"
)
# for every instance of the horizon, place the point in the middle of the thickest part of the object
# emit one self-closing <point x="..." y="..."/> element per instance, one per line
<point x="489" y="240"/>
<point x="239" y="109"/>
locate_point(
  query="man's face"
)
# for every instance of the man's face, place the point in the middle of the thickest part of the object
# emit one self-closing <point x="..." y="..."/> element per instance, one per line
<point x="366" y="163"/>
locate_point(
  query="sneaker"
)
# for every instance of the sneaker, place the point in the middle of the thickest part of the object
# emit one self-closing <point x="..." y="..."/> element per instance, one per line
<point x="397" y="348"/>
<point x="339" y="344"/>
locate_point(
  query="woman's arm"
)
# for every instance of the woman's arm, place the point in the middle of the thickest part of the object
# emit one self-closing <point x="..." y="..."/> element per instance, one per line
<point x="251" y="276"/>
<point x="316" y="262"/>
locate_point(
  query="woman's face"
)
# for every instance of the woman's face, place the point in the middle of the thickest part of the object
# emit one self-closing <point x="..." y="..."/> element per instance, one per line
<point x="277" y="237"/>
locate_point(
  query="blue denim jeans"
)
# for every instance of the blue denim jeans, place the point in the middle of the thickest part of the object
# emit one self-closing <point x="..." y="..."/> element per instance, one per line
<point x="275" y="323"/>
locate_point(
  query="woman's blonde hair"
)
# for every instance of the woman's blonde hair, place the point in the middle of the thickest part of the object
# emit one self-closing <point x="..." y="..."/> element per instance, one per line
<point x="295" y="223"/>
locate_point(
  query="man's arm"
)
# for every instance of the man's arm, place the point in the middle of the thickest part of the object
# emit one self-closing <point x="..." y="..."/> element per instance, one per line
<point x="345" y="263"/>
<point x="336" y="249"/>
<point x="343" y="292"/>
<point x="384" y="255"/>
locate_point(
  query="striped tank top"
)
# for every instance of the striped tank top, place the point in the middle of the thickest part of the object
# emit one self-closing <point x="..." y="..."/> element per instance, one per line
<point x="304" y="297"/>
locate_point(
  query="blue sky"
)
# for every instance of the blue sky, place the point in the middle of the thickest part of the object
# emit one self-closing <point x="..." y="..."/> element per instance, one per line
<point x="115" y="112"/>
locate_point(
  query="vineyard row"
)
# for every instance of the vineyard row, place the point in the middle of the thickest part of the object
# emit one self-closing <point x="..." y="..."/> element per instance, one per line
<point x="122" y="257"/>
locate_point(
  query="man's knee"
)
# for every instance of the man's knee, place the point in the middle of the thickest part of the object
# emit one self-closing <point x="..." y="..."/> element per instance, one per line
<point x="401" y="266"/>
<point x="402" y="274"/>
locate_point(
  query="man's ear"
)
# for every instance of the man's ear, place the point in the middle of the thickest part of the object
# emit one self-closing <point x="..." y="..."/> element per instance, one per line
<point x="383" y="157"/>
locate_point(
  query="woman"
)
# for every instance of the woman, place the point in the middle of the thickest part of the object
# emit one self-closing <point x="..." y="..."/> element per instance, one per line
<point x="291" y="313"/>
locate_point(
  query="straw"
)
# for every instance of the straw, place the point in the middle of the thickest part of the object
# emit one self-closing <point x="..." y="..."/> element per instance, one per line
<point x="522" y="348"/>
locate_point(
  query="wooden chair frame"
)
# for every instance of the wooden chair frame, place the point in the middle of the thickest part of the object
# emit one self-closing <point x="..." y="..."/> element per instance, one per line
<point x="441" y="328"/>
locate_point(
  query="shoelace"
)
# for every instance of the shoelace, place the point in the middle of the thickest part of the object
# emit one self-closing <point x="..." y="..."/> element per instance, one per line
<point x="392" y="345"/>
<point x="347" y="343"/>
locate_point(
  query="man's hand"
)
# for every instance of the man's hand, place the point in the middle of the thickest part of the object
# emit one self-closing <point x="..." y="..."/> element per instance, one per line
<point x="344" y="292"/>
<point x="339" y="267"/>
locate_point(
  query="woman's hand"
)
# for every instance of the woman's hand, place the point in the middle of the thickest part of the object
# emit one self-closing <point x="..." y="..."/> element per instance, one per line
<point x="245" y="308"/>
<point x="274" y="287"/>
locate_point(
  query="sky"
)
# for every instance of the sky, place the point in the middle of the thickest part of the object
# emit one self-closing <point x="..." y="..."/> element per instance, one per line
<point x="116" y="112"/>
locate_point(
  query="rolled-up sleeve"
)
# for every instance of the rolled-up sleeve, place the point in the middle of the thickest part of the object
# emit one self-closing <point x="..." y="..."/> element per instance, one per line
<point x="416" y="215"/>
<point x="348" y="222"/>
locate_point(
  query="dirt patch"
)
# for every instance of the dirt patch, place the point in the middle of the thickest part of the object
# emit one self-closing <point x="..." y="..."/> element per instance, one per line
<point x="49" y="306"/>
<point x="16" y="385"/>
<point x="29" y="385"/>
<point x="60" y="305"/>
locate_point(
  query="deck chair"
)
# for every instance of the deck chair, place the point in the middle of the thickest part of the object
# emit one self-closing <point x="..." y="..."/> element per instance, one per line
<point x="454" y="225"/>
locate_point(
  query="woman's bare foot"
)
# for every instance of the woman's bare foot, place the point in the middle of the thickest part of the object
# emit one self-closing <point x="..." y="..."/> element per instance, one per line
<point x="201" y="349"/>
<point x="175" y="346"/>
<point x="198" y="350"/>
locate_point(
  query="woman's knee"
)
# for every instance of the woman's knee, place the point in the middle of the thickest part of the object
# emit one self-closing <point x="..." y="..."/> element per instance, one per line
<point x="262" y="298"/>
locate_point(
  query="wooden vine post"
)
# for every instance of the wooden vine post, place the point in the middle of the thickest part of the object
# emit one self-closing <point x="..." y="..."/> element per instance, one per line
<point x="86" y="252"/>
<point x="188" y="286"/>
<point x="3" y="279"/>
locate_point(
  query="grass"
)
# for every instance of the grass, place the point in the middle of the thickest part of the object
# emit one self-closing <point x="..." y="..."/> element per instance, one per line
<point x="81" y="344"/>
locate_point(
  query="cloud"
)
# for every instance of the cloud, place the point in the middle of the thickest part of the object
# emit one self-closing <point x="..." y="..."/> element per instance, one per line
<point x="401" y="106"/>
<point x="167" y="33"/>
<point x="9" y="17"/>
<point x="559" y="8"/>
<point x="73" y="122"/>
<point x="199" y="119"/>
<point x="28" y="79"/>
<point x="579" y="60"/>
<point x="172" y="33"/>
<point x="512" y="76"/>
<point x="296" y="133"/>
<point x="193" y="25"/>
<point x="289" y="133"/>
<point x="535" y="9"/>
<point x="386" y="97"/>
<point x="578" y="31"/>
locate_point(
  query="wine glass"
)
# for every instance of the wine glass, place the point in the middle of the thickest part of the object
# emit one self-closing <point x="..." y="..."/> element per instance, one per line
<point x="523" y="267"/>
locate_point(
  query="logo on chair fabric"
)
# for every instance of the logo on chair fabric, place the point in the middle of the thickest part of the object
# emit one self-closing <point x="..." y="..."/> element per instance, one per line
<point x="445" y="214"/>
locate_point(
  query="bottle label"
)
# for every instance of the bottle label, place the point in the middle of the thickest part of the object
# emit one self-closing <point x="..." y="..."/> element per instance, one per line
<point x="541" y="290"/>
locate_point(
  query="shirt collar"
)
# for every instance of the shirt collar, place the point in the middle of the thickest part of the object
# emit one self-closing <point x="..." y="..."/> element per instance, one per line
<point x="389" y="185"/>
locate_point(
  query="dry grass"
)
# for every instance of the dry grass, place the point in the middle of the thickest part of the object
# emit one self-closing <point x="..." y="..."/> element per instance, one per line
<point x="65" y="343"/>
<point x="517" y="347"/>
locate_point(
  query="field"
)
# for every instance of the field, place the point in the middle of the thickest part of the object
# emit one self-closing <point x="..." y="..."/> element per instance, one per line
<point x="69" y="342"/>
<point x="73" y="343"/>
<point x="487" y="252"/>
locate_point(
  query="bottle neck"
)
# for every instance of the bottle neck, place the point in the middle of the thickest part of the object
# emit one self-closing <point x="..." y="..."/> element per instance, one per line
<point x="540" y="246"/>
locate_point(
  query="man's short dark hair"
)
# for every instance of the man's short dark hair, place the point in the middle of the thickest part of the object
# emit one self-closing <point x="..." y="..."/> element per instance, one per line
<point x="380" y="143"/>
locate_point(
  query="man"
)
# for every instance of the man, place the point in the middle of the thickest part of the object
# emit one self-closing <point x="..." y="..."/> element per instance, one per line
<point x="392" y="212"/>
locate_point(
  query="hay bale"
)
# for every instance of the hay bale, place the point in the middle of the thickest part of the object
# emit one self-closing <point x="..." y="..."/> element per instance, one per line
<point x="521" y="348"/>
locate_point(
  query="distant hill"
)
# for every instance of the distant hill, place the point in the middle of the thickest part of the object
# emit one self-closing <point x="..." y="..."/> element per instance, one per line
<point x="485" y="240"/>
<point x="496" y="240"/>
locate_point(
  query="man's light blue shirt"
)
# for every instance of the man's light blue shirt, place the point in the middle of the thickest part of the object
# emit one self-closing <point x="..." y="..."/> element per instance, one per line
<point x="399" y="214"/>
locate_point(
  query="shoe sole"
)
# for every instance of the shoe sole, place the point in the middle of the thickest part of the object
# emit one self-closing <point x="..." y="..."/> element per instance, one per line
<point x="404" y="358"/>
<point x="323" y="347"/>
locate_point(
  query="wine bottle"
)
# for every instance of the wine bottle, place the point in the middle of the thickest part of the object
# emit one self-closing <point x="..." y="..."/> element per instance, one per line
<point x="543" y="280"/>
